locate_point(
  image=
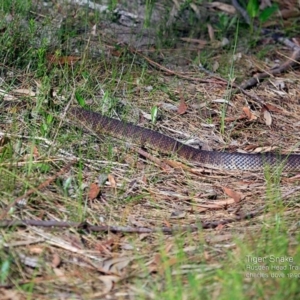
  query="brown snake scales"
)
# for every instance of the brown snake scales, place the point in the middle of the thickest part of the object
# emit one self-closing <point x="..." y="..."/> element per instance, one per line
<point x="100" y="124"/>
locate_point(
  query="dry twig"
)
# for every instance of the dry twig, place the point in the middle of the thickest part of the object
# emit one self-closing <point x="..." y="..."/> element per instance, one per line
<point x="107" y="228"/>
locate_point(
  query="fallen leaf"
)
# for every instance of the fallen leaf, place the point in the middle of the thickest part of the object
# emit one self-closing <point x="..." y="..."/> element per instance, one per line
<point x="55" y="260"/>
<point x="293" y="179"/>
<point x="271" y="107"/>
<point x="236" y="196"/>
<point x="35" y="152"/>
<point x="211" y="32"/>
<point x="167" y="106"/>
<point x="221" y="202"/>
<point x="109" y="281"/>
<point x="36" y="250"/>
<point x="182" y="107"/>
<point x="24" y="92"/>
<point x="115" y="265"/>
<point x="237" y="57"/>
<point x="215" y="66"/>
<point x="249" y="113"/>
<point x="111" y="180"/>
<point x="267" y="116"/>
<point x="223" y="7"/>
<point x="93" y="191"/>
<point x="94" y="29"/>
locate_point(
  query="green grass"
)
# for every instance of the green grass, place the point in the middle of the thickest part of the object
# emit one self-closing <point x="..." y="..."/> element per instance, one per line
<point x="207" y="264"/>
<point x="238" y="273"/>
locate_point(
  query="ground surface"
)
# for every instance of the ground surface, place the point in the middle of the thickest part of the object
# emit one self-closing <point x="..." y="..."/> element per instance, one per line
<point x="53" y="170"/>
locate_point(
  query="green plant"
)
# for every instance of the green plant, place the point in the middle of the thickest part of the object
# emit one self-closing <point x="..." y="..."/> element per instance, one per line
<point x="5" y="270"/>
<point x="263" y="15"/>
<point x="154" y="112"/>
<point x="230" y="79"/>
<point x="225" y="23"/>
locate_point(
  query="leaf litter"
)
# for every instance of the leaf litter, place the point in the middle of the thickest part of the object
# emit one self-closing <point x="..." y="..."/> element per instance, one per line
<point x="99" y="263"/>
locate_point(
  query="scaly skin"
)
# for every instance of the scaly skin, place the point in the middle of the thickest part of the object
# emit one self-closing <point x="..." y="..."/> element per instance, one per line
<point x="100" y="125"/>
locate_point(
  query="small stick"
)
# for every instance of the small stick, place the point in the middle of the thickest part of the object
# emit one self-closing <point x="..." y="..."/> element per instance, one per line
<point x="107" y="228"/>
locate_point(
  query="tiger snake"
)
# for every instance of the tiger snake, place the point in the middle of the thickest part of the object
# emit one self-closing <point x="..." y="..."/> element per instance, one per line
<point x="101" y="124"/>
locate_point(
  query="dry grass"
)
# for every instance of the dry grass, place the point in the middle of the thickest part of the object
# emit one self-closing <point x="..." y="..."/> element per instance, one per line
<point x="75" y="263"/>
<point x="138" y="193"/>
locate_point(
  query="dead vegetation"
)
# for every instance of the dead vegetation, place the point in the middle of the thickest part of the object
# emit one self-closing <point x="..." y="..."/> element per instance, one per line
<point x="110" y="220"/>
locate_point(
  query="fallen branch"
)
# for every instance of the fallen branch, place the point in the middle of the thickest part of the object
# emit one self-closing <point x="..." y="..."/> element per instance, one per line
<point x="216" y="79"/>
<point x="291" y="62"/>
<point x="107" y="228"/>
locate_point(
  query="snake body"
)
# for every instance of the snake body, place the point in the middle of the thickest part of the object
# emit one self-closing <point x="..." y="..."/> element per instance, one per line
<point x="100" y="124"/>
